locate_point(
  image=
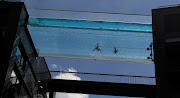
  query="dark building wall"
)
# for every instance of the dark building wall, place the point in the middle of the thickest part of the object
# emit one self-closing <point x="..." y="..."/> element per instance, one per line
<point x="19" y="55"/>
<point x="160" y="58"/>
<point x="166" y="44"/>
<point x="9" y="20"/>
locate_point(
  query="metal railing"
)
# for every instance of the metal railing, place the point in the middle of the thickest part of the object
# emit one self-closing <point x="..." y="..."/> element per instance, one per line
<point x="80" y="76"/>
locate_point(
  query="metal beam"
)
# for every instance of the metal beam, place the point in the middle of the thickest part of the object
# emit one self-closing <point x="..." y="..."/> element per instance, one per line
<point x="101" y="88"/>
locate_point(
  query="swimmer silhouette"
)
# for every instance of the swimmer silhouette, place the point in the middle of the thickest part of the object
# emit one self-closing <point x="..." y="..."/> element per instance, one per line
<point x="115" y="50"/>
<point x="97" y="48"/>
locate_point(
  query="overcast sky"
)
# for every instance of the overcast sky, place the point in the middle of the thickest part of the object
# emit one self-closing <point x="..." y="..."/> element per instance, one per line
<point x="120" y="6"/>
<point x="113" y="6"/>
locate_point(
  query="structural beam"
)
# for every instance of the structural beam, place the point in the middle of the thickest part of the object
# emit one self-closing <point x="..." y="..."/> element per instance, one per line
<point x="101" y="88"/>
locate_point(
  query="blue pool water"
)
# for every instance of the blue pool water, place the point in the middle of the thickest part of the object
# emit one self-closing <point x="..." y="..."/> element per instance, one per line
<point x="100" y="25"/>
<point x="78" y="38"/>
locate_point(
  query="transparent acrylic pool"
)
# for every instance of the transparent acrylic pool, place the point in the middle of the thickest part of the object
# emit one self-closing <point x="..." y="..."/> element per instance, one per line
<point x="78" y="38"/>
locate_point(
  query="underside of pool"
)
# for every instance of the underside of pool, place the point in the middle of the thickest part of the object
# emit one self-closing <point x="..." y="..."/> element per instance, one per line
<point x="98" y="40"/>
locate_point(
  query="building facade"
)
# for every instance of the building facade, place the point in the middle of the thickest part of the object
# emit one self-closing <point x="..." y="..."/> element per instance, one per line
<point x="22" y="73"/>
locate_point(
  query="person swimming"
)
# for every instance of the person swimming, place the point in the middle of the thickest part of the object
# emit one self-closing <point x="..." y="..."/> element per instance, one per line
<point x="115" y="50"/>
<point x="97" y="48"/>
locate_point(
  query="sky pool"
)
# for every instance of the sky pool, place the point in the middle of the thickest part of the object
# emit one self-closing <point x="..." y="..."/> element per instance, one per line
<point x="80" y="38"/>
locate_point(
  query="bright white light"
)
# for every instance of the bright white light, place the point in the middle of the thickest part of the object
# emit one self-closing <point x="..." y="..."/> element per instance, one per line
<point x="54" y="66"/>
<point x="69" y="76"/>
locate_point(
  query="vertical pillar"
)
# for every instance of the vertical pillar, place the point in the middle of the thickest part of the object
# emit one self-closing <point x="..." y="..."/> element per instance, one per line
<point x="52" y="94"/>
